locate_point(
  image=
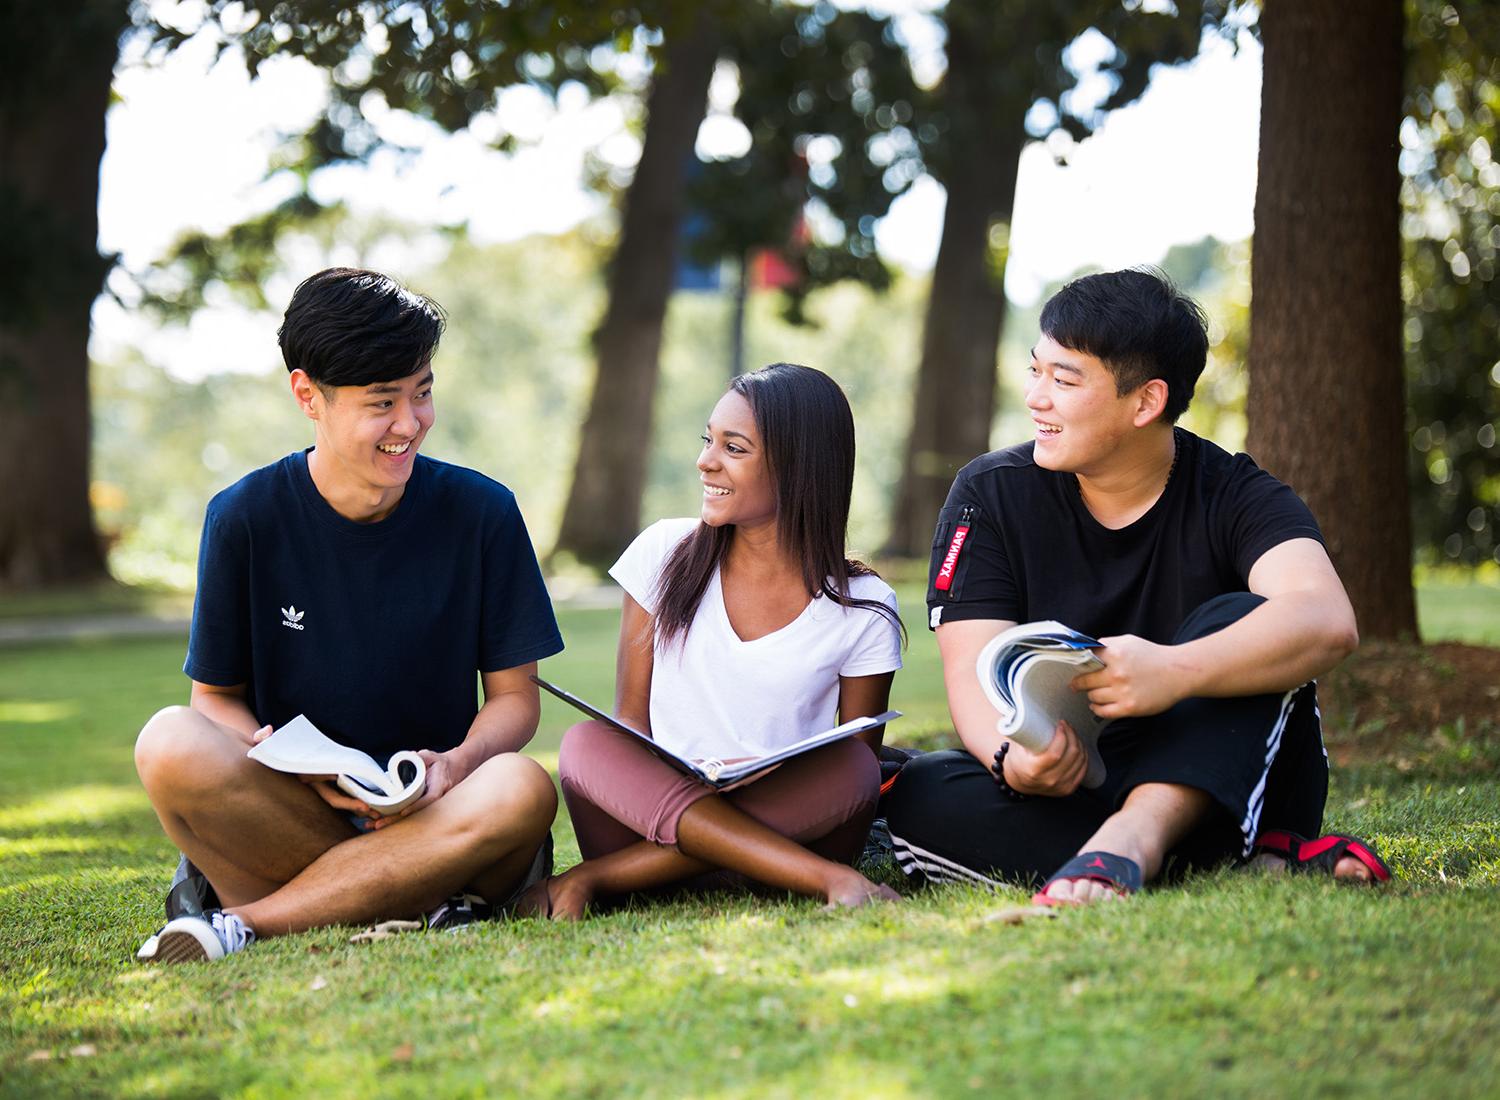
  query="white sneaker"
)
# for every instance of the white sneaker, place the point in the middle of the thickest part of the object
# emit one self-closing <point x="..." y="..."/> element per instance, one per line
<point x="197" y="939"/>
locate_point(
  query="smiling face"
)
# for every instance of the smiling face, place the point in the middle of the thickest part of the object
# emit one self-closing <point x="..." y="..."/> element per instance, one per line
<point x="737" y="486"/>
<point x="367" y="439"/>
<point x="1080" y="419"/>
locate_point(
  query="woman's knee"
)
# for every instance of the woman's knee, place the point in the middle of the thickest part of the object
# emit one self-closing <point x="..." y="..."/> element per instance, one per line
<point x="856" y="767"/>
<point x="581" y="744"/>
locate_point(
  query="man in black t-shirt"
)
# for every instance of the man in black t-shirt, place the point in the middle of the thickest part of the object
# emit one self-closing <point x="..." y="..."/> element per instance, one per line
<point x="378" y="592"/>
<point x="1206" y="580"/>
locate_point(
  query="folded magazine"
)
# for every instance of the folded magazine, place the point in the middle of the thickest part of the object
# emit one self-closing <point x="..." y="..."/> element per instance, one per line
<point x="1025" y="672"/>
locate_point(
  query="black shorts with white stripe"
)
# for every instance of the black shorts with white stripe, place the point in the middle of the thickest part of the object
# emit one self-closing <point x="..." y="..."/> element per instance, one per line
<point x="1259" y="757"/>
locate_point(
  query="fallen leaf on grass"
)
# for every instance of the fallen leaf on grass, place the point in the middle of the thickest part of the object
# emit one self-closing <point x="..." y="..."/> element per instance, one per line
<point x="385" y="930"/>
<point x="1018" y="914"/>
<point x="402" y="1053"/>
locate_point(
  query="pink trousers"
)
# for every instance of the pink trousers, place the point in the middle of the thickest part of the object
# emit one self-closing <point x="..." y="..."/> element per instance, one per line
<point x="619" y="792"/>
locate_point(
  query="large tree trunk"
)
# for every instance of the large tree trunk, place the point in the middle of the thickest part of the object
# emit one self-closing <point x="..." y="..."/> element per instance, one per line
<point x="955" y="401"/>
<point x="1326" y="401"/>
<point x="609" y="478"/>
<point x="51" y="141"/>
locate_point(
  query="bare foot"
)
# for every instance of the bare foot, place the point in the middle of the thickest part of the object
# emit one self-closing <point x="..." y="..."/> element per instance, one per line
<point x="854" y="890"/>
<point x="555" y="899"/>
<point x="1081" y="891"/>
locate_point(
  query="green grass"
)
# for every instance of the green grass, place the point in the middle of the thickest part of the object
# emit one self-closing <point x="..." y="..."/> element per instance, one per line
<point x="1228" y="985"/>
<point x="1459" y="613"/>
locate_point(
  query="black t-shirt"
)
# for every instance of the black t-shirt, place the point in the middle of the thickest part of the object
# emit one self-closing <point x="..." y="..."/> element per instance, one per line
<point x="1028" y="548"/>
<point x="376" y="631"/>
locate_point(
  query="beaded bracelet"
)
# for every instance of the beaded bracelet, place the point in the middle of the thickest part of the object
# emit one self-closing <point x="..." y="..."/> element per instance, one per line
<point x="997" y="773"/>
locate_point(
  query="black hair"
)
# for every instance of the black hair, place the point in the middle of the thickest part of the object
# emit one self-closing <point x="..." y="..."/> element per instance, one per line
<point x="807" y="431"/>
<point x="347" y="327"/>
<point x="1138" y="325"/>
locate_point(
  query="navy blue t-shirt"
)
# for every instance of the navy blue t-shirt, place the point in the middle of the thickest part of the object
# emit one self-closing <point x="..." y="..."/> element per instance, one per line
<point x="1031" y="550"/>
<point x="376" y="631"/>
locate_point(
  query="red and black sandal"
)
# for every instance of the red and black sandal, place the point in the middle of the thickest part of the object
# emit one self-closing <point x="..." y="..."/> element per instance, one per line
<point x="1321" y="855"/>
<point x="1121" y="875"/>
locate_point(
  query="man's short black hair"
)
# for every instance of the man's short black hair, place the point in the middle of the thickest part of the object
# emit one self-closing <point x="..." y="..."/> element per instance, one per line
<point x="347" y="327"/>
<point x="1138" y="325"/>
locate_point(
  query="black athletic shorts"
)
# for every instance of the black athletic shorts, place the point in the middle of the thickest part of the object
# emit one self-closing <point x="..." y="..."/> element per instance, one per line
<point x="1259" y="757"/>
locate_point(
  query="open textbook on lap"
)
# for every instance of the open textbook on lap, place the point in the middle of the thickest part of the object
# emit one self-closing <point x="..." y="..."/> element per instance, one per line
<point x="720" y="773"/>
<point x="1025" y="672"/>
<point x="301" y="748"/>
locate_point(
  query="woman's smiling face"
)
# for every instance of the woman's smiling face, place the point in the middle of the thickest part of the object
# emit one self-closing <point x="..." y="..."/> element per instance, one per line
<point x="737" y="484"/>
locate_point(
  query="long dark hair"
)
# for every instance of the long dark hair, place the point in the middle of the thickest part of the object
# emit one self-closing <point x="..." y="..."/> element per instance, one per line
<point x="807" y="431"/>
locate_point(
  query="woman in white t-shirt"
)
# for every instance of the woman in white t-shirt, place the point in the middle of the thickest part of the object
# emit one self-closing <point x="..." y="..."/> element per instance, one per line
<point x="742" y="632"/>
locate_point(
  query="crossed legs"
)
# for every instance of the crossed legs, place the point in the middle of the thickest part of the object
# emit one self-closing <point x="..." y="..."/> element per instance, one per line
<point x="641" y="825"/>
<point x="283" y="860"/>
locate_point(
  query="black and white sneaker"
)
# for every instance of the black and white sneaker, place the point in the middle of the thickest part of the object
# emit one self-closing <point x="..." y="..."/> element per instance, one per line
<point x="464" y="909"/>
<point x="459" y="910"/>
<point x="197" y="939"/>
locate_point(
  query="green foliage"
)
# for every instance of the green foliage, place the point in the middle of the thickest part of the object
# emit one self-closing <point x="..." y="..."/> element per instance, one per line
<point x="513" y="376"/>
<point x="813" y="83"/>
<point x="1027" y="70"/>
<point x="1451" y="198"/>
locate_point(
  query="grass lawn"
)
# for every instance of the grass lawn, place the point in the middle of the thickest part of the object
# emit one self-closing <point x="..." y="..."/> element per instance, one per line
<point x="1228" y="985"/>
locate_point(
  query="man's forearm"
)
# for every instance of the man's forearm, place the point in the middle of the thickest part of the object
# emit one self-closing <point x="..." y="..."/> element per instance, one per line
<point x="506" y="723"/>
<point x="225" y="708"/>
<point x="1282" y="644"/>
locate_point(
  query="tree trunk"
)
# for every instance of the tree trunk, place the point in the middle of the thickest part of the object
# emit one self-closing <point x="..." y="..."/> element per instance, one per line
<point x="955" y="400"/>
<point x="737" y="316"/>
<point x="51" y="142"/>
<point x="1326" y="403"/>
<point x="603" y="510"/>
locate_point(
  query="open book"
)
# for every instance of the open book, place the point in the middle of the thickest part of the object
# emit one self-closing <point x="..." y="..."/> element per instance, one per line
<point x="301" y="748"/>
<point x="1025" y="672"/>
<point x="720" y="773"/>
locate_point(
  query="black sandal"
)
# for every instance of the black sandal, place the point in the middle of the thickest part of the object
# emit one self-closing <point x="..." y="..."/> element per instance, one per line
<point x="1121" y="875"/>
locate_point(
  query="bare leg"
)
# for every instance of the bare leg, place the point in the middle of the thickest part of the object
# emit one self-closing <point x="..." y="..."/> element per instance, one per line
<point x="1155" y="817"/>
<point x="638" y="866"/>
<point x="718" y="833"/>
<point x="248" y="828"/>
<point x="483" y="832"/>
<point x="283" y="860"/>
<point x="712" y="834"/>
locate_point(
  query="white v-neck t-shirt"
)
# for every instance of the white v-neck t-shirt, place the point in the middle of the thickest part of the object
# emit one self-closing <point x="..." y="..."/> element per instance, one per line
<point x="716" y="695"/>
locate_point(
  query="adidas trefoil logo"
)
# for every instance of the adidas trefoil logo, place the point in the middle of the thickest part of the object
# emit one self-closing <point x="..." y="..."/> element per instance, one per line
<point x="292" y="617"/>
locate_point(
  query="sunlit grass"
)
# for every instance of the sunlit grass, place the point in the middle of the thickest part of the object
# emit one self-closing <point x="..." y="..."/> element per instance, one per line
<point x="1227" y="985"/>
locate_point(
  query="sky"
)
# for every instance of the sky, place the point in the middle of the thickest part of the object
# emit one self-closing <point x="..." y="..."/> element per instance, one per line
<point x="189" y="142"/>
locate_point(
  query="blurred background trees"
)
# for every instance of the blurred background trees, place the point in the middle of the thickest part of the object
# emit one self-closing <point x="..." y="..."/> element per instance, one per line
<point x="550" y="373"/>
<point x="1450" y="199"/>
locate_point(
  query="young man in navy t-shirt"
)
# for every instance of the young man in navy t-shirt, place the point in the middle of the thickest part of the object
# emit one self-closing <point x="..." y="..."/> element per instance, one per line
<point x="377" y="591"/>
<point x="1208" y="583"/>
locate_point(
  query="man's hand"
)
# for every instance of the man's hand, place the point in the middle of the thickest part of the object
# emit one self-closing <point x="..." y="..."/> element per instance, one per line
<point x="1138" y="678"/>
<point x="1054" y="772"/>
<point x="324" y="786"/>
<point x="443" y="774"/>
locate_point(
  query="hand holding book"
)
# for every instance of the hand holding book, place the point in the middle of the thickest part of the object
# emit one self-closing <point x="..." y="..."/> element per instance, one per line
<point x="1027" y="674"/>
<point x="301" y="748"/>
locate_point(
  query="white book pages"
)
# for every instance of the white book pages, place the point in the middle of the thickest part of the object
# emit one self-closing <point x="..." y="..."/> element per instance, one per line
<point x="1025" y="672"/>
<point x="300" y="748"/>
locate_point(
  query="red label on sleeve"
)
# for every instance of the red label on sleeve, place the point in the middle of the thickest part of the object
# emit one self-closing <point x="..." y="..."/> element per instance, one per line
<point x="950" y="560"/>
